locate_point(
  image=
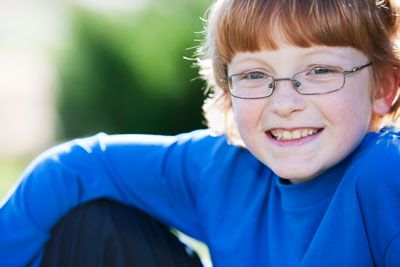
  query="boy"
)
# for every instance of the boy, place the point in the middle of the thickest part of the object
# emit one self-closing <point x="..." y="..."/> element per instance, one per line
<point x="304" y="175"/>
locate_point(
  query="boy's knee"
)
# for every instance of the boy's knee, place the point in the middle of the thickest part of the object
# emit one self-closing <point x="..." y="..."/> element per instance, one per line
<point x="107" y="233"/>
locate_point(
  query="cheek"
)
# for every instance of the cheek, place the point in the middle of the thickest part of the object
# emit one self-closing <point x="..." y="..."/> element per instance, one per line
<point x="348" y="111"/>
<point x="357" y="107"/>
<point x="349" y="115"/>
<point x="247" y="114"/>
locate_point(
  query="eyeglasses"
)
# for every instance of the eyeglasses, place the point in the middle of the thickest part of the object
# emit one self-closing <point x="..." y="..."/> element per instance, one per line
<point x="315" y="81"/>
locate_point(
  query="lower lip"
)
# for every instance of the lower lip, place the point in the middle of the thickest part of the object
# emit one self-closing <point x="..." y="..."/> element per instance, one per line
<point x="293" y="143"/>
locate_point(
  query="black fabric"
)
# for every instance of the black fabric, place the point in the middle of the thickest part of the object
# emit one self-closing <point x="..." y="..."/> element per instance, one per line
<point x="105" y="233"/>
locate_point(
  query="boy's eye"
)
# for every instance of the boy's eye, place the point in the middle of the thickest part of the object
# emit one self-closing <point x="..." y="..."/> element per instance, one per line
<point x="255" y="75"/>
<point x="323" y="74"/>
<point x="324" y="71"/>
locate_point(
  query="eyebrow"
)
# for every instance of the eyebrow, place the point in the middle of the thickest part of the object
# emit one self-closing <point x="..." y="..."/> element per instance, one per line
<point x="251" y="57"/>
<point x="320" y="51"/>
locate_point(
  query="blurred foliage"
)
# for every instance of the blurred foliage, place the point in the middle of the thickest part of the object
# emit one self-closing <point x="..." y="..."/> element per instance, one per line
<point x="10" y="169"/>
<point x="126" y="73"/>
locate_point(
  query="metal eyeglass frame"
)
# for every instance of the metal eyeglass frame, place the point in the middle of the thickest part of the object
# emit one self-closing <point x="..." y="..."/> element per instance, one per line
<point x="294" y="82"/>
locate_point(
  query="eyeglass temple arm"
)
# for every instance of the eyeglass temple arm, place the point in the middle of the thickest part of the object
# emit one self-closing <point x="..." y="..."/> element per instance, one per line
<point x="356" y="68"/>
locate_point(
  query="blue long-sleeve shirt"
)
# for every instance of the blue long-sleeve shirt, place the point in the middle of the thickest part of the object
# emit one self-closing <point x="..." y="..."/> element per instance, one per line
<point x="221" y="195"/>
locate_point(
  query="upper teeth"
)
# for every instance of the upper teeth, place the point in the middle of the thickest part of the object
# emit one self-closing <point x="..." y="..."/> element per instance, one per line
<point x="292" y="135"/>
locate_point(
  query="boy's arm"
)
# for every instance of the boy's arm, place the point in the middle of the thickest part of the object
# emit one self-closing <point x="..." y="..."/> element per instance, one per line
<point x="148" y="172"/>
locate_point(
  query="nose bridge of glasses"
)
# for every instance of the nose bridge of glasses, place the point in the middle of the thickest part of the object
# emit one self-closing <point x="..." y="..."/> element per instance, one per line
<point x="296" y="84"/>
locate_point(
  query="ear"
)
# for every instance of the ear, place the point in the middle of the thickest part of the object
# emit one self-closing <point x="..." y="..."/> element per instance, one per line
<point x="385" y="95"/>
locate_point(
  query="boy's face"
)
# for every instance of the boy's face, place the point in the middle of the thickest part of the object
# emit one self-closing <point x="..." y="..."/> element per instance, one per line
<point x="330" y="125"/>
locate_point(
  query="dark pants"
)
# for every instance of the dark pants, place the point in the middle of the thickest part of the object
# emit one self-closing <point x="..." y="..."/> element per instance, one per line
<point x="104" y="233"/>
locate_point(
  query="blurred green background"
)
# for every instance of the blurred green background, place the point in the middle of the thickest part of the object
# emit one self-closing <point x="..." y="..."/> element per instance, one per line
<point x="124" y="74"/>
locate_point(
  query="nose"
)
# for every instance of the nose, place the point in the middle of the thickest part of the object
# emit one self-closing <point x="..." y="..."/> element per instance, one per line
<point x="285" y="100"/>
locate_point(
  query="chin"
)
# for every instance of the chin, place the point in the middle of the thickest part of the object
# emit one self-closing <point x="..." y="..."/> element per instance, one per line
<point x="297" y="176"/>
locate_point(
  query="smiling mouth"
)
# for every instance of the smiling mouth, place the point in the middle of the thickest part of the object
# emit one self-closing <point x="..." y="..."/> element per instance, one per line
<point x="290" y="135"/>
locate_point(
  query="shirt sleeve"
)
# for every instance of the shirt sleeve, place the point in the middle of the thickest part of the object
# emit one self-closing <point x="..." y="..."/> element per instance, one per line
<point x="156" y="174"/>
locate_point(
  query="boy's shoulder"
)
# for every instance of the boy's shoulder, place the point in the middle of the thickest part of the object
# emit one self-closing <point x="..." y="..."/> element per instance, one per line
<point x="381" y="149"/>
<point x="377" y="161"/>
<point x="208" y="140"/>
